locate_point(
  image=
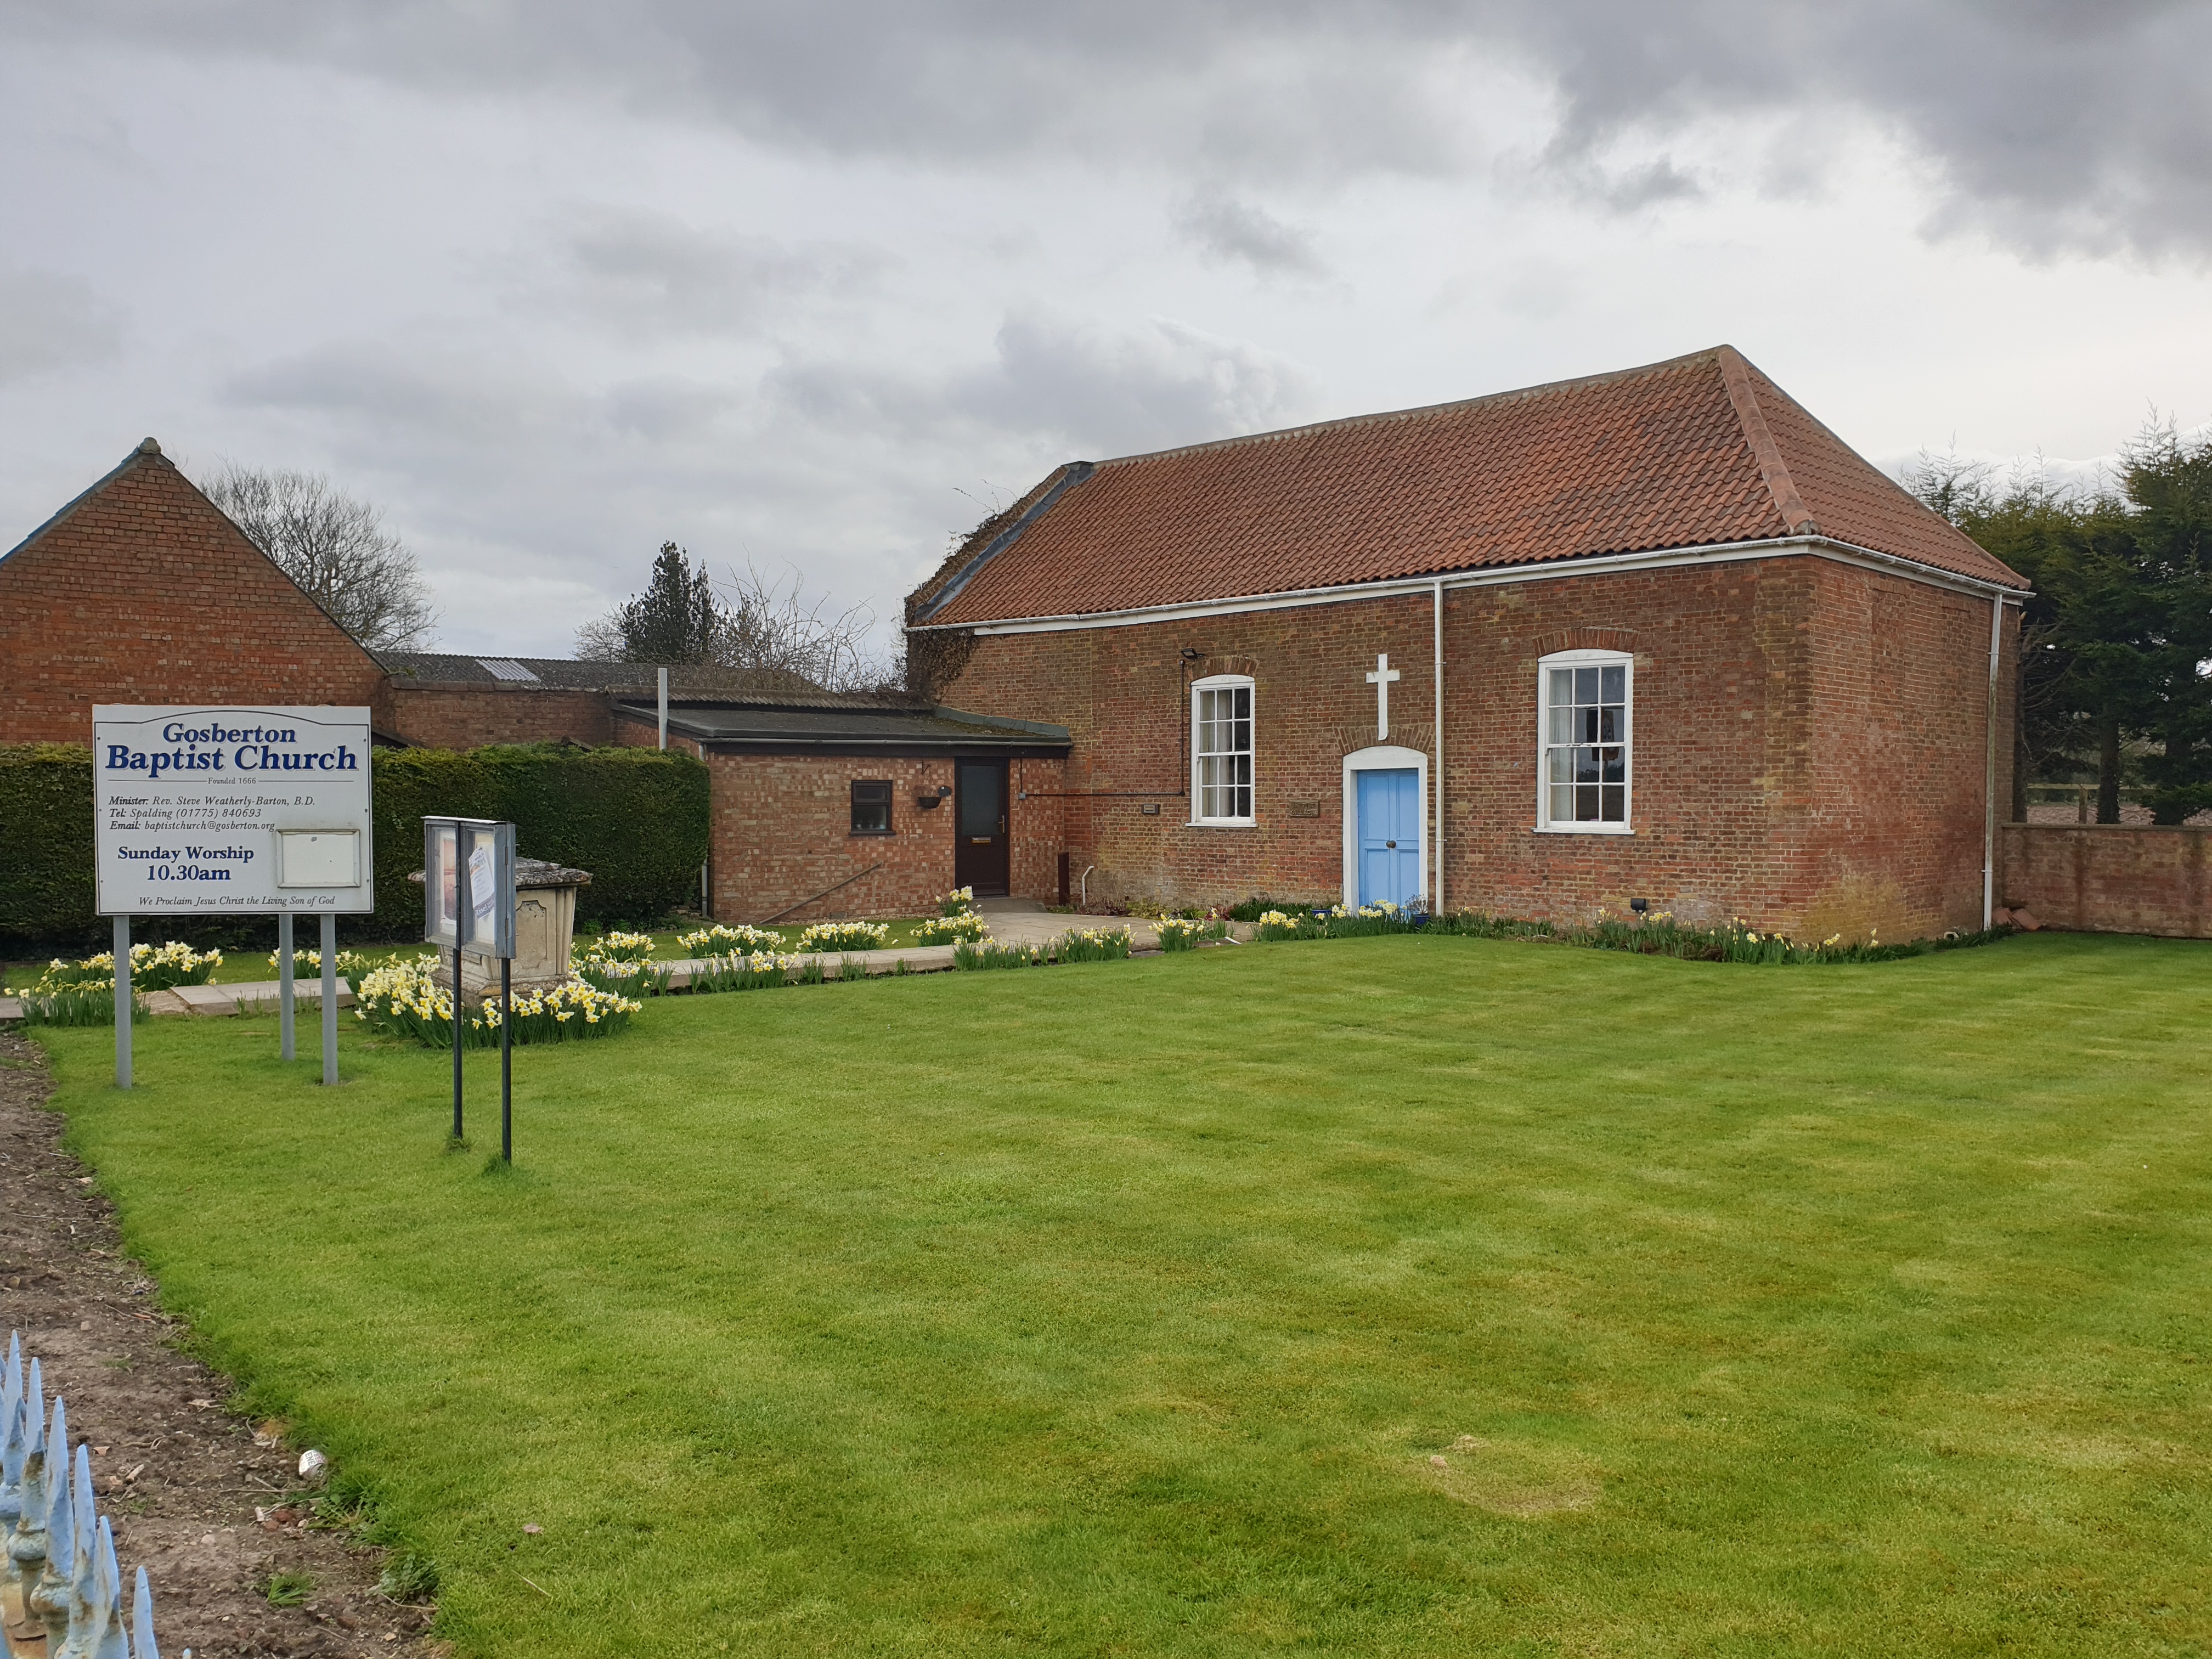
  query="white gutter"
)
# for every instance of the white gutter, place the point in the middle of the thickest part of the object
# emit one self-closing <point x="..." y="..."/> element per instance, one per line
<point x="1436" y="887"/>
<point x="1990" y="773"/>
<point x="1660" y="559"/>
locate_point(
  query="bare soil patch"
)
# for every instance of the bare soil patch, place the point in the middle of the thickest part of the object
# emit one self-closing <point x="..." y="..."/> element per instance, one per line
<point x="194" y="1498"/>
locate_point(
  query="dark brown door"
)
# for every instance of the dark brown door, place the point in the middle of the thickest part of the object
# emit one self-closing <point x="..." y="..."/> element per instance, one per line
<point x="978" y="804"/>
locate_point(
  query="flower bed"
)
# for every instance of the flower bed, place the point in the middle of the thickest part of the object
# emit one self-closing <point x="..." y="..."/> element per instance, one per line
<point x="625" y="978"/>
<point x="401" y="999"/>
<point x="968" y="954"/>
<point x="1092" y="944"/>
<point x="307" y="965"/>
<point x="1183" y="932"/>
<point x="82" y="993"/>
<point x="153" y="968"/>
<point x="843" y="936"/>
<point x="619" y="947"/>
<point x="723" y="940"/>
<point x="951" y="929"/>
<point x="1655" y="934"/>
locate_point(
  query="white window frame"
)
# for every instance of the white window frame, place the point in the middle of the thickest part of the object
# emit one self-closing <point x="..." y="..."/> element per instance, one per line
<point x="1384" y="758"/>
<point x="1546" y="825"/>
<point x="1222" y="683"/>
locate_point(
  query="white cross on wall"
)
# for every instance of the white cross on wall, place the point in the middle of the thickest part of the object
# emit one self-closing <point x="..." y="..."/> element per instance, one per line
<point x="1380" y="679"/>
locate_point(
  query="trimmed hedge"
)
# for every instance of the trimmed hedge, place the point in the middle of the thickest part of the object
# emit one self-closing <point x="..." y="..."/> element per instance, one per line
<point x="636" y="818"/>
<point x="47" y="886"/>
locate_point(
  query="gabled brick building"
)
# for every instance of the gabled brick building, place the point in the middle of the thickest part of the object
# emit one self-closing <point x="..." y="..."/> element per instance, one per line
<point x="141" y="591"/>
<point x="824" y="803"/>
<point x="1653" y="635"/>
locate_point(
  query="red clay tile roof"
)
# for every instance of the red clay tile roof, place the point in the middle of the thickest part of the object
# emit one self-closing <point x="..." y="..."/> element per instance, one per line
<point x="1697" y="451"/>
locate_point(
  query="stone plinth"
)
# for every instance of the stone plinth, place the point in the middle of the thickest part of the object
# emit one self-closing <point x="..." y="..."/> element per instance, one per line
<point x="544" y="929"/>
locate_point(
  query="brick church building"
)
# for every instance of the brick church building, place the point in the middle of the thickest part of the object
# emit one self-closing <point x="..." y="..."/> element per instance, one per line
<point x="1654" y="634"/>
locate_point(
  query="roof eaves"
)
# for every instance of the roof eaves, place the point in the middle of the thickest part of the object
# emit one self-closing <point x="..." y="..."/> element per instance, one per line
<point x="1736" y="375"/>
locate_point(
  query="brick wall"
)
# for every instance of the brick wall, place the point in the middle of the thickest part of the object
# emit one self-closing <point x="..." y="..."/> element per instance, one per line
<point x="2110" y="877"/>
<point x="1810" y="743"/>
<point x="783" y="832"/>
<point x="143" y="592"/>
<point x="468" y="715"/>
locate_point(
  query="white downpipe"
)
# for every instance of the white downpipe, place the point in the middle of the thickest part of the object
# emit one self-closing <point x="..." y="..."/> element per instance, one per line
<point x="1437" y="886"/>
<point x="1990" y="773"/>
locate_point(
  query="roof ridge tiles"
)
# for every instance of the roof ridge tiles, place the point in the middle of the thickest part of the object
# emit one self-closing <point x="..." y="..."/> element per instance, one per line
<point x="1736" y="375"/>
<point x="1388" y="416"/>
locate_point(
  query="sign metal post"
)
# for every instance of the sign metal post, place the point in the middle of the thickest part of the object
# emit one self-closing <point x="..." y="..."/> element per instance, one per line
<point x="122" y="1008"/>
<point x="221" y="810"/>
<point x="330" y="1000"/>
<point x="468" y="907"/>
<point x="284" y="992"/>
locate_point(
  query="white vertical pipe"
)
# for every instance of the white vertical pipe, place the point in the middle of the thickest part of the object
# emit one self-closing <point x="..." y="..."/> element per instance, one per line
<point x="664" y="708"/>
<point x="1436" y="887"/>
<point x="1990" y="775"/>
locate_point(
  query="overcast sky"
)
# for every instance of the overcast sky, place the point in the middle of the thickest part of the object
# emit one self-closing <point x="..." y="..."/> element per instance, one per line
<point x="813" y="287"/>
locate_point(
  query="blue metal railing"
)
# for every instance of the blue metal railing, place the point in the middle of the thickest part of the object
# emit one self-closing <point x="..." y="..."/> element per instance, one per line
<point x="61" y="1550"/>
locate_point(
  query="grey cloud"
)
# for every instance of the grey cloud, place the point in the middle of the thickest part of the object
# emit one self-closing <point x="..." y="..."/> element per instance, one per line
<point x="646" y="275"/>
<point x="1065" y="387"/>
<point x="1222" y="228"/>
<point x="2050" y="123"/>
<point x="50" y="321"/>
<point x="508" y="477"/>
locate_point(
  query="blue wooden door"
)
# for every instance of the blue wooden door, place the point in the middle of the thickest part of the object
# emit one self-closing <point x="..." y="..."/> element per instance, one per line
<point x="1389" y="836"/>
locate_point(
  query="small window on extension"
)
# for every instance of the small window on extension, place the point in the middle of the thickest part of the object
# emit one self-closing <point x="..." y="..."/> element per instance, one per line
<point x="872" y="806"/>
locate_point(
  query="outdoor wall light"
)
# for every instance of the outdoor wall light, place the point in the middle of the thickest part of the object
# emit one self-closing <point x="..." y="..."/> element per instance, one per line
<point x="1639" y="905"/>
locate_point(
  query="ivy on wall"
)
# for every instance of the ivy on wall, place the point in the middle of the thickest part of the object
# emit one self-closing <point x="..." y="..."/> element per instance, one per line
<point x="636" y="818"/>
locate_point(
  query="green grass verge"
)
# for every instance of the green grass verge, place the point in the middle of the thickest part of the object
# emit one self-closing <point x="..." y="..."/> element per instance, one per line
<point x="1123" y="1309"/>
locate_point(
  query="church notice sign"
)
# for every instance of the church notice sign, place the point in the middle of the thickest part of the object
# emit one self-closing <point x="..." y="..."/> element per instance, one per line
<point x="232" y="810"/>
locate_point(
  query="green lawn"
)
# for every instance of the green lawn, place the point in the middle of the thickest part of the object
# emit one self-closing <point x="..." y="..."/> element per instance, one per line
<point x="1124" y="1309"/>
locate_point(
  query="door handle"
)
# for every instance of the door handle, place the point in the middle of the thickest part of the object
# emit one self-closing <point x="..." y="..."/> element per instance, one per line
<point x="1002" y="825"/>
<point x="1390" y="843"/>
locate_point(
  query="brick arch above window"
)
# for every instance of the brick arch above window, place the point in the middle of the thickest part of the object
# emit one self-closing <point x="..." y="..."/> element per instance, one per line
<point x="1586" y="639"/>
<point x="1207" y="667"/>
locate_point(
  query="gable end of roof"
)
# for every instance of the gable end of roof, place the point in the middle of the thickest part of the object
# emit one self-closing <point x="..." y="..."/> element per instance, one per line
<point x="146" y="454"/>
<point x="1070" y="475"/>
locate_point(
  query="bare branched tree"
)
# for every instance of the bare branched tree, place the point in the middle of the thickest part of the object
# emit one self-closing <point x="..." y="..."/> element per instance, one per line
<point x="766" y="625"/>
<point x="335" y="547"/>
<point x="751" y="621"/>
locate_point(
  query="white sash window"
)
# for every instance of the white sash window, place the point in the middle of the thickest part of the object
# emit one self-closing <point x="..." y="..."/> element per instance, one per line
<point x="1585" y="765"/>
<point x="1221" y="750"/>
